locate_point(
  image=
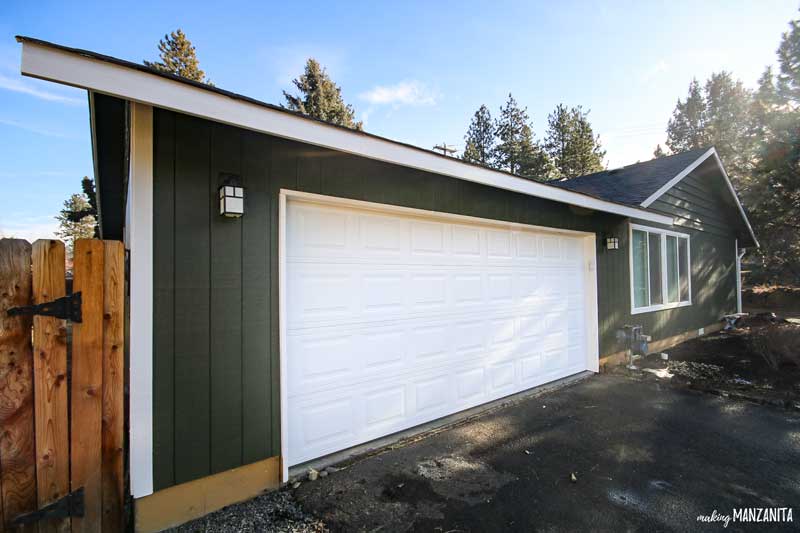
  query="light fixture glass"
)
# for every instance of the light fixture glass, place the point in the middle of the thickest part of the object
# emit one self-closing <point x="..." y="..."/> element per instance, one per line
<point x="612" y="243"/>
<point x="231" y="201"/>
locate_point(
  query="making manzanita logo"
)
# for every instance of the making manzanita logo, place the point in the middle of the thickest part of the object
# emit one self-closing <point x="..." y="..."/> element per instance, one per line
<point x="749" y="515"/>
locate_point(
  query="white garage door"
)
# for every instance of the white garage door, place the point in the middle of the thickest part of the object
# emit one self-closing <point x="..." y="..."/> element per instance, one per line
<point x="394" y="320"/>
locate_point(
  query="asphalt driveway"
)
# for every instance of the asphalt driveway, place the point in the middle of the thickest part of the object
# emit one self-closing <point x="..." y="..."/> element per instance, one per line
<point x="645" y="456"/>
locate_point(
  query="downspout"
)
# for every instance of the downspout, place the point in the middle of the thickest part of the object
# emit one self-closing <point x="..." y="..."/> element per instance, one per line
<point x="739" y="255"/>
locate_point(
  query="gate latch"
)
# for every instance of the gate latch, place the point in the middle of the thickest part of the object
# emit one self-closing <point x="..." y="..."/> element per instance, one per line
<point x="67" y="307"/>
<point x="70" y="505"/>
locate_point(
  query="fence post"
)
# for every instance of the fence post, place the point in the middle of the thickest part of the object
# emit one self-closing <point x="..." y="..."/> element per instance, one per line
<point x="113" y="384"/>
<point x="50" y="381"/>
<point x="17" y="448"/>
<point x="87" y="383"/>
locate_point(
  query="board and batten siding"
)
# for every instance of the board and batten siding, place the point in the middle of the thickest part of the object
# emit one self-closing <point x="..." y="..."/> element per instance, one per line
<point x="216" y="354"/>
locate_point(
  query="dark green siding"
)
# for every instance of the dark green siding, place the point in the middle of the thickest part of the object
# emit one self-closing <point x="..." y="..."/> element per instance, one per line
<point x="216" y="382"/>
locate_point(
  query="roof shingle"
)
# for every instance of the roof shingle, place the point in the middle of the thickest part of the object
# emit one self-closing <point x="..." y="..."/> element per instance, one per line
<point x="635" y="183"/>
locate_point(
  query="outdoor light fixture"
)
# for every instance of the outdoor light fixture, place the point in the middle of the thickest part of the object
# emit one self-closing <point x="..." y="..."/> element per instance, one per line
<point x="612" y="243"/>
<point x="231" y="198"/>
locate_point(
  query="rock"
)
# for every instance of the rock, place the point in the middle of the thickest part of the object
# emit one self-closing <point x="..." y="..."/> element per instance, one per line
<point x="573" y="477"/>
<point x="324" y="473"/>
<point x="312" y="474"/>
<point x="331" y="470"/>
<point x="295" y="484"/>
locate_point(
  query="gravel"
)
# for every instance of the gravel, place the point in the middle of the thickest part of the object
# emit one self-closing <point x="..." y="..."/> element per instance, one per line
<point x="273" y="512"/>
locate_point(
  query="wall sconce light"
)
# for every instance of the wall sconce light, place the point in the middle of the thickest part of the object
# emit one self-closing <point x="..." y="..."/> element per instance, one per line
<point x="612" y="243"/>
<point x="231" y="198"/>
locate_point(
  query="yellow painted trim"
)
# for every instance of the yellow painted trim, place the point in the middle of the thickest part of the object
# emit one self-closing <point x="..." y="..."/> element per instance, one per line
<point x="619" y="358"/>
<point x="179" y="504"/>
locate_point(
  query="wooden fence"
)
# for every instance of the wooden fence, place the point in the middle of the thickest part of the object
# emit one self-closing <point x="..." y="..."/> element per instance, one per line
<point x="62" y="421"/>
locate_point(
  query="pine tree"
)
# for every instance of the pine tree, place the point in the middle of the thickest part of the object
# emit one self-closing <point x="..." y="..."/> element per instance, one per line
<point x="480" y="139"/>
<point x="659" y="152"/>
<point x="320" y="97"/>
<point x="90" y="210"/>
<point x="516" y="150"/>
<point x="773" y="198"/>
<point x="727" y="124"/>
<point x="72" y="228"/>
<point x="718" y="114"/>
<point x="685" y="128"/>
<point x="178" y="56"/>
<point x="788" y="84"/>
<point x="571" y="143"/>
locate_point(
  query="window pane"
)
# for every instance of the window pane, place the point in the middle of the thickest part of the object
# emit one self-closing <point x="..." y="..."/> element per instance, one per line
<point x="639" y="251"/>
<point x="655" y="269"/>
<point x="672" y="269"/>
<point x="683" y="268"/>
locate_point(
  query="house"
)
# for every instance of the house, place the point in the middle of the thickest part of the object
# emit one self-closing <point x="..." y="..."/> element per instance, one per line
<point x="369" y="286"/>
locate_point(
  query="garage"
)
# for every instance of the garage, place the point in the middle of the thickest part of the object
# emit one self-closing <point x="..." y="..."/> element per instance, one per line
<point x="395" y="317"/>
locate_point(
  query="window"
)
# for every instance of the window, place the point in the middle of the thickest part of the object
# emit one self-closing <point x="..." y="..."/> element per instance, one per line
<point x="660" y="276"/>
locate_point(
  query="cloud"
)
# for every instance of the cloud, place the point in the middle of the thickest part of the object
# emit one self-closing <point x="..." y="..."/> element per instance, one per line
<point x="653" y="71"/>
<point x="25" y="87"/>
<point x="410" y="92"/>
<point x="34" y="129"/>
<point x="29" y="229"/>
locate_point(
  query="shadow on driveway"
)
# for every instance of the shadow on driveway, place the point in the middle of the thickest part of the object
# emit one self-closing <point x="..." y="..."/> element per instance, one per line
<point x="644" y="456"/>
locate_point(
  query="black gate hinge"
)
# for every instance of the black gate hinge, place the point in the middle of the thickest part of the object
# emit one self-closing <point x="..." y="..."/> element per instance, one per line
<point x="67" y="307"/>
<point x="70" y="505"/>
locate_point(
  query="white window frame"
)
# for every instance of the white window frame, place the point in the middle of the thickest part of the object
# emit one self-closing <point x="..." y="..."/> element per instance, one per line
<point x="664" y="276"/>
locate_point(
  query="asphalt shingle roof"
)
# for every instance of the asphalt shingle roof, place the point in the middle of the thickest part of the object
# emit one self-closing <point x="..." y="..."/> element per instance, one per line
<point x="635" y="183"/>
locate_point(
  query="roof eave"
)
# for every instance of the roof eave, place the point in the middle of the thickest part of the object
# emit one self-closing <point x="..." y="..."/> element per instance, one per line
<point x="79" y="69"/>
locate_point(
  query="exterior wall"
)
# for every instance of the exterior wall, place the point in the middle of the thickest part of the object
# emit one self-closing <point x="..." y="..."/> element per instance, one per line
<point x="216" y="366"/>
<point x="698" y="203"/>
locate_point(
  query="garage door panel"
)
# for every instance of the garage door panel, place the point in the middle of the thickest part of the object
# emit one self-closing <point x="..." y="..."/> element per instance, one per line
<point x="399" y="320"/>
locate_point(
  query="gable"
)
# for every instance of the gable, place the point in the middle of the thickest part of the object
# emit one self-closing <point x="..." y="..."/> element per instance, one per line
<point x="702" y="200"/>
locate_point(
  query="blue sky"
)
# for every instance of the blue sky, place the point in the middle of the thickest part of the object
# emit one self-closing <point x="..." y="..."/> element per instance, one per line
<point x="414" y="71"/>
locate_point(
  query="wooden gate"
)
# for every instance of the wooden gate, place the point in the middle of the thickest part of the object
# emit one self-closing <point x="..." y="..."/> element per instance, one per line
<point x="61" y="418"/>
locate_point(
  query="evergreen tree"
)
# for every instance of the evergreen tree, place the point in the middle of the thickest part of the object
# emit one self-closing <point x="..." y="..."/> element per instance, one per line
<point x="659" y="152"/>
<point x="571" y="143"/>
<point x="727" y="124"/>
<point x="685" y="128"/>
<point x="788" y="84"/>
<point x="718" y="115"/>
<point x="71" y="228"/>
<point x="89" y="210"/>
<point x="178" y="56"/>
<point x="764" y="105"/>
<point x="320" y="97"/>
<point x="773" y="199"/>
<point x="480" y="139"/>
<point x="516" y="150"/>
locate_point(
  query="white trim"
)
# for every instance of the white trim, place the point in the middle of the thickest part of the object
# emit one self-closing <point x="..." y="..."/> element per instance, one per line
<point x="284" y="422"/>
<point x="140" y="234"/>
<point x="664" y="283"/>
<point x="739" y="254"/>
<point x="685" y="172"/>
<point x="591" y="308"/>
<point x="71" y="68"/>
